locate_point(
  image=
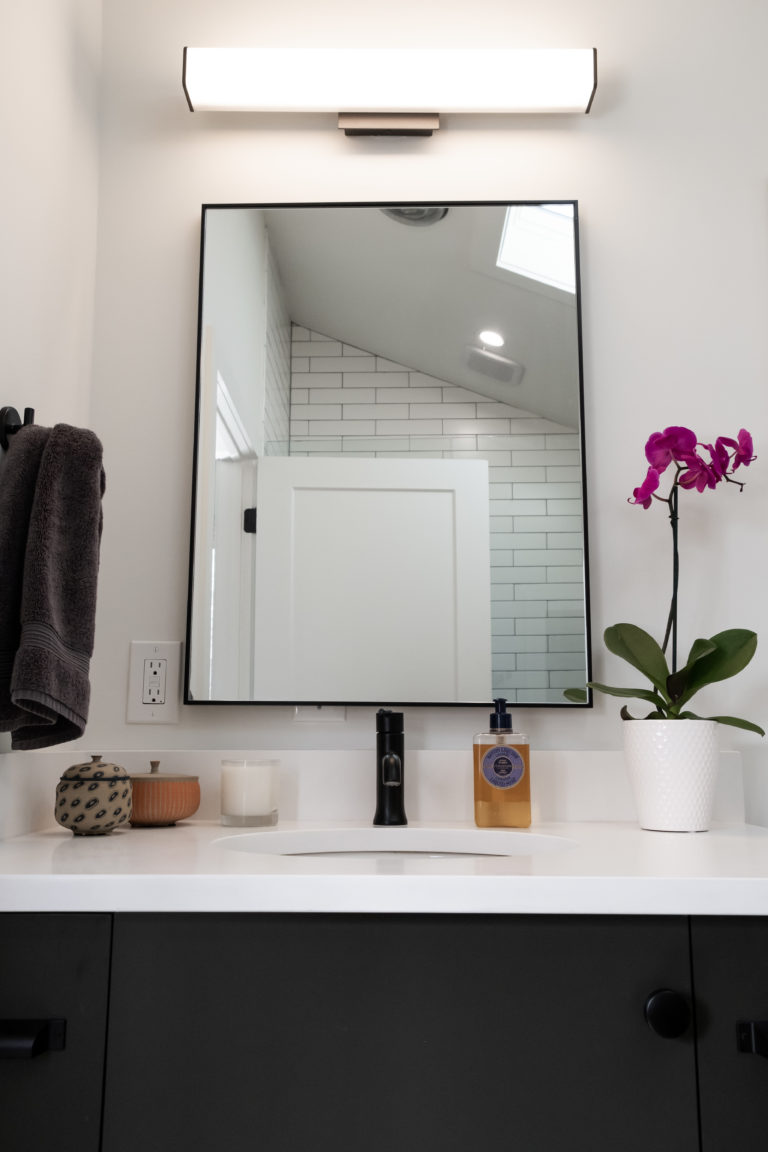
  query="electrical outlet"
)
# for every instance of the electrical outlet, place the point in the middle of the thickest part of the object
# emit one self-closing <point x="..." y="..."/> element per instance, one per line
<point x="153" y="682"/>
<point x="155" y="677"/>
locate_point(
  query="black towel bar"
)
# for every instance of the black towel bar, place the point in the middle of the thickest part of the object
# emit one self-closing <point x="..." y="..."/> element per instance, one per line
<point x="10" y="422"/>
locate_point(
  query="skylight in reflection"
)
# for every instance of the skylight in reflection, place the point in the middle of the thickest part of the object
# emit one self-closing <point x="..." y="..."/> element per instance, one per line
<point x="537" y="242"/>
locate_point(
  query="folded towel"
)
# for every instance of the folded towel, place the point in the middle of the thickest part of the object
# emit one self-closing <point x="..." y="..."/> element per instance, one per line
<point x="18" y="478"/>
<point x="49" y="683"/>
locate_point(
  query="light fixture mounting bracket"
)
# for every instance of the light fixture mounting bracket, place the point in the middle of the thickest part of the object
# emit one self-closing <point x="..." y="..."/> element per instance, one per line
<point x="389" y="123"/>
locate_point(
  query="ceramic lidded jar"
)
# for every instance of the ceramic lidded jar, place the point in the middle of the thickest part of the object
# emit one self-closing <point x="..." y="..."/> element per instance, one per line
<point x="92" y="799"/>
<point x="162" y="798"/>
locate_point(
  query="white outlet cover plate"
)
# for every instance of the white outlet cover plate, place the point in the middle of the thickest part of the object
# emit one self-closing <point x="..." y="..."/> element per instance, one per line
<point x="139" y="713"/>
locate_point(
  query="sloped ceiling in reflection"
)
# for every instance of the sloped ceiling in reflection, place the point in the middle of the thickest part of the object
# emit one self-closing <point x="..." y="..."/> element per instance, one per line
<point x="420" y="295"/>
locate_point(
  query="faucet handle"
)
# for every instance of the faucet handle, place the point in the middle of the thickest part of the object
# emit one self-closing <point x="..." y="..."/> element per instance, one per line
<point x="391" y="770"/>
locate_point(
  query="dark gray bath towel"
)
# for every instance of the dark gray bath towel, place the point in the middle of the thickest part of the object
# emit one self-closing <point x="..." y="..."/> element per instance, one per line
<point x="49" y="683"/>
<point x="18" y="480"/>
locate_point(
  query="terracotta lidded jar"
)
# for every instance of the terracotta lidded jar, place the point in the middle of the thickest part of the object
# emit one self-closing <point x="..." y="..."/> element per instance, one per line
<point x="94" y="798"/>
<point x="162" y="798"/>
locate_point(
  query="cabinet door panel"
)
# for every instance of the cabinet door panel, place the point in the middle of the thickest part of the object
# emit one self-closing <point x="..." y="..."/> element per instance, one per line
<point x="730" y="966"/>
<point x="335" y="1033"/>
<point x="54" y="966"/>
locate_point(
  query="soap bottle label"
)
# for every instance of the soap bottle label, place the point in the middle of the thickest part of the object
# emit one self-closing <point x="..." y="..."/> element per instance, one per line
<point x="503" y="767"/>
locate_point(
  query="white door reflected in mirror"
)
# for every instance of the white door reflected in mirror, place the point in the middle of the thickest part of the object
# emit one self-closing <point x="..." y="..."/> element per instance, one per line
<point x="372" y="572"/>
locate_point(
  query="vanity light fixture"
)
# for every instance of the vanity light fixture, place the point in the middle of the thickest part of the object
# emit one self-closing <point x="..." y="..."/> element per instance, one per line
<point x="379" y="91"/>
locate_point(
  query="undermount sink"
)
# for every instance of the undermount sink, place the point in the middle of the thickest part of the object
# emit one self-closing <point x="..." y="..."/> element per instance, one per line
<point x="398" y="841"/>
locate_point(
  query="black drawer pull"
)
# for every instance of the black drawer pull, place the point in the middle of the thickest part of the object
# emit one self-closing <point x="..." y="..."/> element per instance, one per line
<point x="22" y="1039"/>
<point x="752" y="1037"/>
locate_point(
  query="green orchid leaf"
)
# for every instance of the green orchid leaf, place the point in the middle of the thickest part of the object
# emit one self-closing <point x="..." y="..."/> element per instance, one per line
<point x="640" y="650"/>
<point x="576" y="695"/>
<point x="733" y="650"/>
<point x="736" y="722"/>
<point x="634" y="693"/>
<point x="627" y="715"/>
<point x="699" y="648"/>
<point x="677" y="683"/>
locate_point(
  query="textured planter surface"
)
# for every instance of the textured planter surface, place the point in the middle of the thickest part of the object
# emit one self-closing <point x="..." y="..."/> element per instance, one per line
<point x="672" y="767"/>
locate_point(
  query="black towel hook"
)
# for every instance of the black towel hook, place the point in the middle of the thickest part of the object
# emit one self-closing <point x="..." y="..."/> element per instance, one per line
<point x="10" y="422"/>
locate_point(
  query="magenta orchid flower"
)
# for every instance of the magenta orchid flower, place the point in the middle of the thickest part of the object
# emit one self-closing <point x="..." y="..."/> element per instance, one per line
<point x="719" y="457"/>
<point x="742" y="448"/>
<point x="678" y="445"/>
<point x="744" y="454"/>
<point x="663" y="448"/>
<point x="698" y="474"/>
<point x="644" y="494"/>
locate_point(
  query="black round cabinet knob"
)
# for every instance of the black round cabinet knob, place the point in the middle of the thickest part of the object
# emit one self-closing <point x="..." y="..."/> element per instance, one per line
<point x="667" y="1013"/>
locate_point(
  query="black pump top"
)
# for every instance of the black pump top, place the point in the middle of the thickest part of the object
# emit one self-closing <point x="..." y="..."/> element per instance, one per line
<point x="501" y="720"/>
<point x="387" y="721"/>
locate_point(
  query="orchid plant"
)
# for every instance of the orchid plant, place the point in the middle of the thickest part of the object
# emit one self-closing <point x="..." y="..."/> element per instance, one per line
<point x="722" y="655"/>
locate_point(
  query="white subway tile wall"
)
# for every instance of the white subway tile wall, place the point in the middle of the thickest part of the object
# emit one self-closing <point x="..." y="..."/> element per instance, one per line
<point x="348" y="402"/>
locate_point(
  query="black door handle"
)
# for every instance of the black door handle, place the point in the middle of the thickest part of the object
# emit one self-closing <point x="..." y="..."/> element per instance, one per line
<point x="22" y="1039"/>
<point x="752" y="1037"/>
<point x="667" y="1013"/>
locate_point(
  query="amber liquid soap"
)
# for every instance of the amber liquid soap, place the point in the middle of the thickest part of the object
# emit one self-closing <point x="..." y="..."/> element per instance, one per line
<point x="502" y="775"/>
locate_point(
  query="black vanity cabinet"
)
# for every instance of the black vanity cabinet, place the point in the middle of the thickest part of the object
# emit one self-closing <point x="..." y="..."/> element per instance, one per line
<point x="335" y="1033"/>
<point x="731" y="977"/>
<point x="54" y="981"/>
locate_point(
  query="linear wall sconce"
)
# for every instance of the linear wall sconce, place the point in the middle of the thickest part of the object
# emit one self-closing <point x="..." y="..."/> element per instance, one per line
<point x="387" y="91"/>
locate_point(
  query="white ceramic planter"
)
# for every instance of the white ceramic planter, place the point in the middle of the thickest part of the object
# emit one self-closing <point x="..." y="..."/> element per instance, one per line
<point x="672" y="767"/>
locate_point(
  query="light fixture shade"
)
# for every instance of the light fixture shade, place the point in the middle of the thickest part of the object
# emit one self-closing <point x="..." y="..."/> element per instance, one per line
<point x="387" y="80"/>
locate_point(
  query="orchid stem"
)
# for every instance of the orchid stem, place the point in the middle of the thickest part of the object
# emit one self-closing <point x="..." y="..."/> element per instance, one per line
<point x="671" y="629"/>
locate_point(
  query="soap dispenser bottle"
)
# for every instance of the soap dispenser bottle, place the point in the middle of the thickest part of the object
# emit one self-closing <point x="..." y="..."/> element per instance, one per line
<point x="502" y="774"/>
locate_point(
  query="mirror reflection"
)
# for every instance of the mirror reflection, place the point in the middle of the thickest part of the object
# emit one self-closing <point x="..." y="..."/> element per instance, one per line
<point x="388" y="481"/>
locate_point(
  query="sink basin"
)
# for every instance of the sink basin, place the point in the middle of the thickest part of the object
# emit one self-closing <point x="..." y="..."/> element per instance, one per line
<point x="406" y="841"/>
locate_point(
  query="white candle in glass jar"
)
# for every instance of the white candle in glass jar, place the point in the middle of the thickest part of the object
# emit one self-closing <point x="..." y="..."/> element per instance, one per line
<point x="249" y="792"/>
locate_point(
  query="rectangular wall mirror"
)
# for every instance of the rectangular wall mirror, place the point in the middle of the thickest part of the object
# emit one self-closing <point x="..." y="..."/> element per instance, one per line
<point x="388" y="482"/>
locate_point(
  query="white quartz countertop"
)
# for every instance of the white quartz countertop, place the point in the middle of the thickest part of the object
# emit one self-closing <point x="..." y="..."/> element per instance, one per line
<point x="197" y="866"/>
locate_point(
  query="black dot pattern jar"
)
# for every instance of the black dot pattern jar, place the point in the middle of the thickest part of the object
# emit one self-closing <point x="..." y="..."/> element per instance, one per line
<point x="93" y="799"/>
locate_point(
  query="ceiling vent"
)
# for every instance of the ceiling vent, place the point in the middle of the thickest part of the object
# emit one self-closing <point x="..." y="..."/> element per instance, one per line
<point x="493" y="365"/>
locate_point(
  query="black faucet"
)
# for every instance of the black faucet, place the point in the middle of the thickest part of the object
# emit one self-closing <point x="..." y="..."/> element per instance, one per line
<point x="390" y="769"/>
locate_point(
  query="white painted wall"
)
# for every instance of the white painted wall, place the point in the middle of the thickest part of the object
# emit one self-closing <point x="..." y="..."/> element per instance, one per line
<point x="235" y="312"/>
<point x="49" y="102"/>
<point x="670" y="170"/>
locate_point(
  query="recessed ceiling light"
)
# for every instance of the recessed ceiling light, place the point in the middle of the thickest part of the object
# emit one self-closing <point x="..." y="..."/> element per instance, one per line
<point x="491" y="338"/>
